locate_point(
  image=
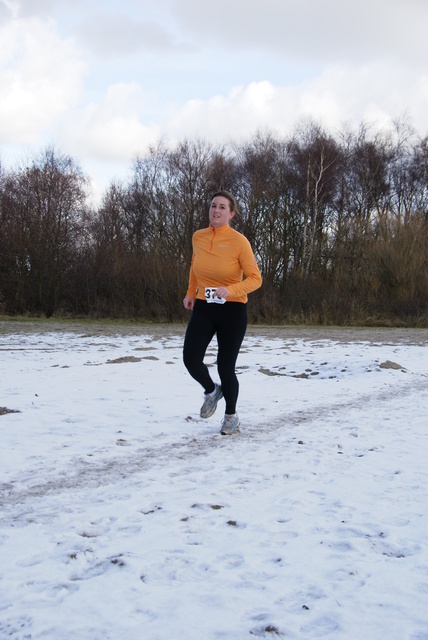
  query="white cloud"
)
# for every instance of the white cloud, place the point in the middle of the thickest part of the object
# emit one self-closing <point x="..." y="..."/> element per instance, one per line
<point x="40" y="78"/>
<point x="114" y="35"/>
<point x="325" y="31"/>
<point x="113" y="130"/>
<point x="260" y="65"/>
<point x="338" y="96"/>
<point x="31" y="8"/>
<point x="9" y="7"/>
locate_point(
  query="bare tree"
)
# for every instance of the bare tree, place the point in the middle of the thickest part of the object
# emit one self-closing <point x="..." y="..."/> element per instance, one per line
<point x="47" y="200"/>
<point x="339" y="227"/>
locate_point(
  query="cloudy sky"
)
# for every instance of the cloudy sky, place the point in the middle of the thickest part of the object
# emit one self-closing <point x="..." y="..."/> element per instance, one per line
<point x="103" y="79"/>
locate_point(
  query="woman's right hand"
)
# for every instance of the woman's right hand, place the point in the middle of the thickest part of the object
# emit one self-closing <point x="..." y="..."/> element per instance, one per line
<point x="189" y="303"/>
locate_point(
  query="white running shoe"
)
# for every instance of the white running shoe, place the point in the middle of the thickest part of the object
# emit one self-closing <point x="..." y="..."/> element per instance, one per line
<point x="211" y="401"/>
<point x="230" y="424"/>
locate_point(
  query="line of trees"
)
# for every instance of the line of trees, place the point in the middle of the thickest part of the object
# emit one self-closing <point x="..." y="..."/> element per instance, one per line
<point x="339" y="226"/>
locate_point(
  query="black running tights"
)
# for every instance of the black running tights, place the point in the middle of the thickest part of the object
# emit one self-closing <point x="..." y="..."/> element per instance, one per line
<point x="229" y="322"/>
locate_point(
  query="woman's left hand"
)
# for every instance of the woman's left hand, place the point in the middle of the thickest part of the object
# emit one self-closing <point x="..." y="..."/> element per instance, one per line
<point x="222" y="292"/>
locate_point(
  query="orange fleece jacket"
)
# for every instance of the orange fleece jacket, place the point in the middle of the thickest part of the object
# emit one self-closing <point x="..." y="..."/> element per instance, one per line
<point x="221" y="257"/>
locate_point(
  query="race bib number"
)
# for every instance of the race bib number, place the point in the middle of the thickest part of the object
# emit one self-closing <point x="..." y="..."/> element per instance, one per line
<point x="210" y="297"/>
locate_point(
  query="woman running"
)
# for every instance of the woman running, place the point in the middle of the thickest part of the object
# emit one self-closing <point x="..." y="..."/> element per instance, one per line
<point x="217" y="297"/>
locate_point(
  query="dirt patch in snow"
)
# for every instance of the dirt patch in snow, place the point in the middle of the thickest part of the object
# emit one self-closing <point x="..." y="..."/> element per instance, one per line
<point x="337" y="334"/>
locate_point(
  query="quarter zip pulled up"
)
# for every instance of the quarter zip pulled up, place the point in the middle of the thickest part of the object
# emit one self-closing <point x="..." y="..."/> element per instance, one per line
<point x="212" y="240"/>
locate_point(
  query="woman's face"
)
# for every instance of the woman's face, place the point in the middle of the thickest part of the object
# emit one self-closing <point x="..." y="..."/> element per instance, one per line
<point x="220" y="212"/>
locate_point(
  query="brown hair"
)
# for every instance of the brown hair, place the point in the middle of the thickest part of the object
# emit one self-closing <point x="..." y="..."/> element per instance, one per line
<point x="230" y="197"/>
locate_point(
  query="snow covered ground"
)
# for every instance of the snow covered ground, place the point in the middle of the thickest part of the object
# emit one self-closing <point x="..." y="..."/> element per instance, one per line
<point x="124" y="516"/>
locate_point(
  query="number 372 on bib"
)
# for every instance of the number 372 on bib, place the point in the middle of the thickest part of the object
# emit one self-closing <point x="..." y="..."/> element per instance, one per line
<point x="210" y="297"/>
